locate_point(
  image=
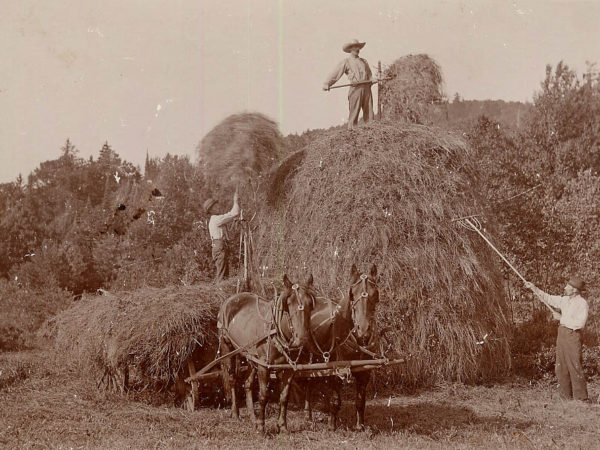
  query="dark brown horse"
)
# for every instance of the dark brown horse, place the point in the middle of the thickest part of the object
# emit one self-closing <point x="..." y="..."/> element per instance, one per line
<point x="344" y="332"/>
<point x="269" y="333"/>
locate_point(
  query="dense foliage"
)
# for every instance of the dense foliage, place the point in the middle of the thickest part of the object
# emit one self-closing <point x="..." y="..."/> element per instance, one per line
<point x="78" y="225"/>
<point x="98" y="223"/>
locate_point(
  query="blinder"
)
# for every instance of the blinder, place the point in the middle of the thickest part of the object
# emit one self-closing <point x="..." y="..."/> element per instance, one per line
<point x="364" y="279"/>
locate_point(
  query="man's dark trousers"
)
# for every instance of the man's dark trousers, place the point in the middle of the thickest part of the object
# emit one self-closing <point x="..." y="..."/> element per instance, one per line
<point x="569" y="370"/>
<point x="219" y="256"/>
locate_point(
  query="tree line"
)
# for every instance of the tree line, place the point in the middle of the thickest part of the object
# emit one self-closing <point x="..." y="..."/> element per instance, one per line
<point x="85" y="224"/>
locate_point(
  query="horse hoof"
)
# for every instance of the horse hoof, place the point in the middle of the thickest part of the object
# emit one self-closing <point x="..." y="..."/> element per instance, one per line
<point x="282" y="430"/>
<point x="359" y="427"/>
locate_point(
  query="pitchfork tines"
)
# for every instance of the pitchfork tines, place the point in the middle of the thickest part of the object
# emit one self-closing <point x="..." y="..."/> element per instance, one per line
<point x="469" y="222"/>
<point x="472" y="223"/>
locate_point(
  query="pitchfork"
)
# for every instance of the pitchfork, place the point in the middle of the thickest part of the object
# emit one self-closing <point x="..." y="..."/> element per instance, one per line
<point x="472" y="223"/>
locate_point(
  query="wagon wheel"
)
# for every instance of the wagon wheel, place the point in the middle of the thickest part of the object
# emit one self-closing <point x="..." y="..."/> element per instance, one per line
<point x="193" y="399"/>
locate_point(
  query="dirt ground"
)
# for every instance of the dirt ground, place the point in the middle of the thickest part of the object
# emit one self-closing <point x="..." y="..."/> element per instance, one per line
<point x="42" y="407"/>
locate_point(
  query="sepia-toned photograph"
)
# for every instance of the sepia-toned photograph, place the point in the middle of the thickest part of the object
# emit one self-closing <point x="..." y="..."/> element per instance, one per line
<point x="257" y="224"/>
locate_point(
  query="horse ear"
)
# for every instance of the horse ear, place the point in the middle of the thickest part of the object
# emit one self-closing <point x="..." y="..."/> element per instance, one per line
<point x="373" y="271"/>
<point x="309" y="280"/>
<point x="353" y="274"/>
<point x="286" y="281"/>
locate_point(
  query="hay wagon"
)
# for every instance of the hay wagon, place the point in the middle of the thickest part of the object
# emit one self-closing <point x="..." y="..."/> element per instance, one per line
<point x="343" y="369"/>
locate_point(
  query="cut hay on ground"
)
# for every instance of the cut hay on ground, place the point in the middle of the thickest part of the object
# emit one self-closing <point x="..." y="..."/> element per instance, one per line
<point x="416" y="84"/>
<point x="152" y="331"/>
<point x="387" y="193"/>
<point x="238" y="151"/>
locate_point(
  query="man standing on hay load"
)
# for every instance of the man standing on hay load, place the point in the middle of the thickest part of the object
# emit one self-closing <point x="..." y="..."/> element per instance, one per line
<point x="573" y="316"/>
<point x="359" y="72"/>
<point x="216" y="225"/>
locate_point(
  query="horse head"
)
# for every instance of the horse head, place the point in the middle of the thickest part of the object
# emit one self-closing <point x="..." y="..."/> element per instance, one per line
<point x="298" y="302"/>
<point x="362" y="299"/>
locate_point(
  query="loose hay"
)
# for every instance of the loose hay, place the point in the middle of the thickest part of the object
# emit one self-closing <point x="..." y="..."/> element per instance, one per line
<point x="416" y="84"/>
<point x="152" y="331"/>
<point x="239" y="150"/>
<point x="387" y="194"/>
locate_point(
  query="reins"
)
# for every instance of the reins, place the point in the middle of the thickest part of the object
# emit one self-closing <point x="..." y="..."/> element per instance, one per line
<point x="335" y="315"/>
<point x="281" y="341"/>
<point x="351" y="338"/>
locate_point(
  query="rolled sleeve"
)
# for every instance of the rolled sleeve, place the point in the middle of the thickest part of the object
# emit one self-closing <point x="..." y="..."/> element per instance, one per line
<point x="340" y="70"/>
<point x="224" y="219"/>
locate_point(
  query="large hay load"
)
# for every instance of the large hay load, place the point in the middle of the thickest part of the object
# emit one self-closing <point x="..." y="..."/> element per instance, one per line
<point x="151" y="331"/>
<point x="237" y="152"/>
<point x="414" y="90"/>
<point x="387" y="194"/>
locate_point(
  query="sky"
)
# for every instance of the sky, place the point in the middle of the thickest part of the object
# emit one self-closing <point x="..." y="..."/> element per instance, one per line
<point x="154" y="77"/>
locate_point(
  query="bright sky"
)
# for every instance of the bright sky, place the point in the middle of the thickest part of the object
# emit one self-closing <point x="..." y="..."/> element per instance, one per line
<point x="156" y="76"/>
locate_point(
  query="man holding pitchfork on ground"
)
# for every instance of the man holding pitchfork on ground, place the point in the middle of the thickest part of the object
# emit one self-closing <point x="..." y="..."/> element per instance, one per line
<point x="573" y="316"/>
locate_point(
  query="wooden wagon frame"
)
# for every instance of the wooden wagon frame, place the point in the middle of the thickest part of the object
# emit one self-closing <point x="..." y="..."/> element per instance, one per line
<point x="343" y="369"/>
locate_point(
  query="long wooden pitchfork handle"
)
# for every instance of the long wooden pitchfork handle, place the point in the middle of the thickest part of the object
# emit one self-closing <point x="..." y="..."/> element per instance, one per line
<point x="468" y="221"/>
<point x="360" y="82"/>
<point x="473" y="227"/>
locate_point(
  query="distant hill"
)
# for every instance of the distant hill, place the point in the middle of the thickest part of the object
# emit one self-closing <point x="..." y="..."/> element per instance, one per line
<point x="461" y="113"/>
<point x="458" y="115"/>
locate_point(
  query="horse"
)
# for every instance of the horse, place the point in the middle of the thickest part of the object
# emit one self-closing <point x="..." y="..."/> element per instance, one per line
<point x="267" y="333"/>
<point x="342" y="333"/>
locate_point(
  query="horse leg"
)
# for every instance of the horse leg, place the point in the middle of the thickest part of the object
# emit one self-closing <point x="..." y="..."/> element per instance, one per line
<point x="362" y="379"/>
<point x="286" y="381"/>
<point x="228" y="376"/>
<point x="248" y="389"/>
<point x="334" y="401"/>
<point x="263" y="378"/>
<point x="307" y="385"/>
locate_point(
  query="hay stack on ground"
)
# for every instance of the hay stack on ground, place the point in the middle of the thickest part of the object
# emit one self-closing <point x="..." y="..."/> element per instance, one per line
<point x="386" y="193"/>
<point x="237" y="152"/>
<point x="416" y="85"/>
<point x="150" y="330"/>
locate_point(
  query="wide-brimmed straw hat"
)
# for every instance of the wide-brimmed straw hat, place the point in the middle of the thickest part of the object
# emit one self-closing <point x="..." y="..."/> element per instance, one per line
<point x="209" y="203"/>
<point x="347" y="47"/>
<point x="577" y="283"/>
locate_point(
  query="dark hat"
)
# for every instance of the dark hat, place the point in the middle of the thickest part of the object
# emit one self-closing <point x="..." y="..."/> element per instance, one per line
<point x="577" y="283"/>
<point x="209" y="203"/>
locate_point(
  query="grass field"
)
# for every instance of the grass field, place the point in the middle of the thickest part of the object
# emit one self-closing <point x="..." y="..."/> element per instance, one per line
<point x="42" y="407"/>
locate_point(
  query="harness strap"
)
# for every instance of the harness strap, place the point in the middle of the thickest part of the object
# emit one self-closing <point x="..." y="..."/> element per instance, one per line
<point x="258" y="299"/>
<point x="365" y="350"/>
<point x="238" y="349"/>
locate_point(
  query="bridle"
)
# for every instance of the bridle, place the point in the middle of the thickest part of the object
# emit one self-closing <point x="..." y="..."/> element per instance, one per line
<point x="335" y="343"/>
<point x="282" y="338"/>
<point x="364" y="295"/>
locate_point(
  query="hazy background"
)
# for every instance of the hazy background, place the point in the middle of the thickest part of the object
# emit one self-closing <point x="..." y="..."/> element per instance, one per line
<point x="155" y="76"/>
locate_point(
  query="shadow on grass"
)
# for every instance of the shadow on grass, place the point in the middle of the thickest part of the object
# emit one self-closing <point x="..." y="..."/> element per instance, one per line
<point x="426" y="419"/>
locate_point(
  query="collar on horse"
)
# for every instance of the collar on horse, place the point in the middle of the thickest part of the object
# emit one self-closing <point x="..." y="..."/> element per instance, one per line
<point x="337" y="342"/>
<point x="281" y="341"/>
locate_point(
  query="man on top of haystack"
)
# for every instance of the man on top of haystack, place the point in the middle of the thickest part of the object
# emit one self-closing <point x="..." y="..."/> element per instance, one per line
<point x="357" y="69"/>
<point x="216" y="228"/>
<point x="573" y="316"/>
